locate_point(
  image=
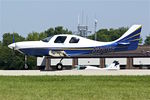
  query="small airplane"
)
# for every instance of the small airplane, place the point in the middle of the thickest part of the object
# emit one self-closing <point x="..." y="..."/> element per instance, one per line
<point x="114" y="66"/>
<point x="65" y="45"/>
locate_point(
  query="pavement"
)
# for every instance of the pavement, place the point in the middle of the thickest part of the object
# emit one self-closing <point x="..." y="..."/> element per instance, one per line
<point x="92" y="72"/>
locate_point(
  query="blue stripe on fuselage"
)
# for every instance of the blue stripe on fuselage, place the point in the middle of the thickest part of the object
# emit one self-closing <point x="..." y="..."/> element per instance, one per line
<point x="45" y="51"/>
<point x="77" y="52"/>
<point x="36" y="51"/>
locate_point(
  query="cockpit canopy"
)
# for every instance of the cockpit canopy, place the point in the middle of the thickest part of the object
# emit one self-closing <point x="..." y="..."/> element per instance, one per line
<point x="62" y="39"/>
<point x="47" y="39"/>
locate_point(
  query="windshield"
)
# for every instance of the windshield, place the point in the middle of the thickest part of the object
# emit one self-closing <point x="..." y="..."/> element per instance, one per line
<point x="47" y="39"/>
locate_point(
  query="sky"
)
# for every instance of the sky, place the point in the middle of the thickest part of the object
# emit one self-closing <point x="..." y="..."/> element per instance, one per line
<point x="25" y="16"/>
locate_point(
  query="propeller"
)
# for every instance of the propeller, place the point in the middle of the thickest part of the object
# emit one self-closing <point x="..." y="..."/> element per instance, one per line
<point x="12" y="45"/>
<point x="25" y="57"/>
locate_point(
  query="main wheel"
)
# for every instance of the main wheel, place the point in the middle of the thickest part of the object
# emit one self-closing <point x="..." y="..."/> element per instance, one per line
<point x="59" y="66"/>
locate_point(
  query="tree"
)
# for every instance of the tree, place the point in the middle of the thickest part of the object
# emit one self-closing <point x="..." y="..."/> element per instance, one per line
<point x="106" y="35"/>
<point x="31" y="62"/>
<point x="50" y="32"/>
<point x="0" y="43"/>
<point x="10" y="59"/>
<point x="147" y="40"/>
<point x="34" y="36"/>
<point x="60" y="30"/>
<point x="57" y="30"/>
<point x="42" y="35"/>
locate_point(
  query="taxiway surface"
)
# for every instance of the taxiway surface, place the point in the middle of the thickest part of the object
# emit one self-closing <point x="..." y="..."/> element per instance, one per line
<point x="73" y="72"/>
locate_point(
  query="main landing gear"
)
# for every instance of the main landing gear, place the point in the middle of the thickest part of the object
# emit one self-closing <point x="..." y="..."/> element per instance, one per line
<point x="59" y="66"/>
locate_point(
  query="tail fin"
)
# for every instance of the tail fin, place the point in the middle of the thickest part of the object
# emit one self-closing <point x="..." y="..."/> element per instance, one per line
<point x="130" y="38"/>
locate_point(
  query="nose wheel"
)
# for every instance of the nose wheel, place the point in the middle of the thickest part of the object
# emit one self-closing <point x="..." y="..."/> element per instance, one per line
<point x="59" y="66"/>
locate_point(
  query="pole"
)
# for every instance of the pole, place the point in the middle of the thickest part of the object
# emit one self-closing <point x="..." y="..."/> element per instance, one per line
<point x="95" y="29"/>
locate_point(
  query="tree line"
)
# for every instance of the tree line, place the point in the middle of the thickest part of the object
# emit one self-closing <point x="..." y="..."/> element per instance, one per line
<point x="10" y="59"/>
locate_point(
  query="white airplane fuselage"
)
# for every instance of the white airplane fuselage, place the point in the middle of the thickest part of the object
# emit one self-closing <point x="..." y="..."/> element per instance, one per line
<point x="71" y="45"/>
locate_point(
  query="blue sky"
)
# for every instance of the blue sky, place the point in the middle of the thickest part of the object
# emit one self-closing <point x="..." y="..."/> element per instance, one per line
<point x="25" y="16"/>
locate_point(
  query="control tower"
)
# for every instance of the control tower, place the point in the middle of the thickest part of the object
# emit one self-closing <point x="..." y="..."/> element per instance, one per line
<point x="82" y="29"/>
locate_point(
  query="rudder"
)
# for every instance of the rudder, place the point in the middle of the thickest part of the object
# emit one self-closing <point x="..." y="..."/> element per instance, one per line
<point x="131" y="38"/>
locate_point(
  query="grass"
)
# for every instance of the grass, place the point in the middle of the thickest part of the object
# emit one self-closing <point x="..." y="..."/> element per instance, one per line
<point x="74" y="87"/>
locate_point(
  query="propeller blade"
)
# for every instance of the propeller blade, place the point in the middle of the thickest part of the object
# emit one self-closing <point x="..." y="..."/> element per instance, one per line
<point x="13" y="38"/>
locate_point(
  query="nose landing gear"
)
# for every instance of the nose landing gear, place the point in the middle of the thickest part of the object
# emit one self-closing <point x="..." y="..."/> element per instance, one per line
<point x="25" y="64"/>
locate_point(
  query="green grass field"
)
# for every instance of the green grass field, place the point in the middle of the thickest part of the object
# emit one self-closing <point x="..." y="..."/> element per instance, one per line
<point x="75" y="88"/>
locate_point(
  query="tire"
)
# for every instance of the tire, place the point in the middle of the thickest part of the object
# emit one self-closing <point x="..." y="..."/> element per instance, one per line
<point x="59" y="66"/>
